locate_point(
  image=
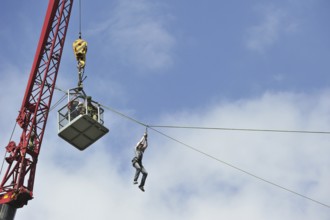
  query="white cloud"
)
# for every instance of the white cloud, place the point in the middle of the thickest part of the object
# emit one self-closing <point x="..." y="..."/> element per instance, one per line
<point x="139" y="35"/>
<point x="12" y="89"/>
<point x="274" y="23"/>
<point x="183" y="184"/>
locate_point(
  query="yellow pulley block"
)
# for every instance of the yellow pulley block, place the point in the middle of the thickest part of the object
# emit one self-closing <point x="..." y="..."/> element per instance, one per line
<point x="80" y="50"/>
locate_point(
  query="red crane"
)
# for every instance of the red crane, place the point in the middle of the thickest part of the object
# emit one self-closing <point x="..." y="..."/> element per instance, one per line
<point x="16" y="188"/>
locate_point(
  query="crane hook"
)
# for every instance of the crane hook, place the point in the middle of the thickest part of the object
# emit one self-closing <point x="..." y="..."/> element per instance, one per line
<point x="80" y="49"/>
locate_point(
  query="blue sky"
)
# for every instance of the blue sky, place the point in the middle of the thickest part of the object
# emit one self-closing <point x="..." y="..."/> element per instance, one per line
<point x="239" y="64"/>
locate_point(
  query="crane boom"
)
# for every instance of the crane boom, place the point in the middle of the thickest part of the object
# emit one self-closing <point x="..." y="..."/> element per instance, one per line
<point x="16" y="188"/>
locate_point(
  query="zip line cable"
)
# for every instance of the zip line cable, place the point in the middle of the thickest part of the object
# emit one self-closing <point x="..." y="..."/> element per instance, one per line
<point x="57" y="103"/>
<point x="125" y="116"/>
<point x="153" y="127"/>
<point x="211" y="128"/>
<point x="240" y="129"/>
<point x="241" y="170"/>
<point x="219" y="160"/>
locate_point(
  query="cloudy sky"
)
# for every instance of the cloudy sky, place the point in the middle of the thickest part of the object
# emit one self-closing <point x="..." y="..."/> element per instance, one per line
<point x="227" y="64"/>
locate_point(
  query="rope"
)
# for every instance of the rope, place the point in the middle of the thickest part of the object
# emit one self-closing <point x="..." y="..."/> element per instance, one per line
<point x="57" y="103"/>
<point x="125" y="116"/>
<point x="153" y="127"/>
<point x="241" y="170"/>
<point x="221" y="161"/>
<point x="240" y="129"/>
<point x="79" y="19"/>
<point x="211" y="128"/>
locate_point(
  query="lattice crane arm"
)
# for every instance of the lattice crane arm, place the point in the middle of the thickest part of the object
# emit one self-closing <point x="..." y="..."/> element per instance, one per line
<point x="16" y="188"/>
